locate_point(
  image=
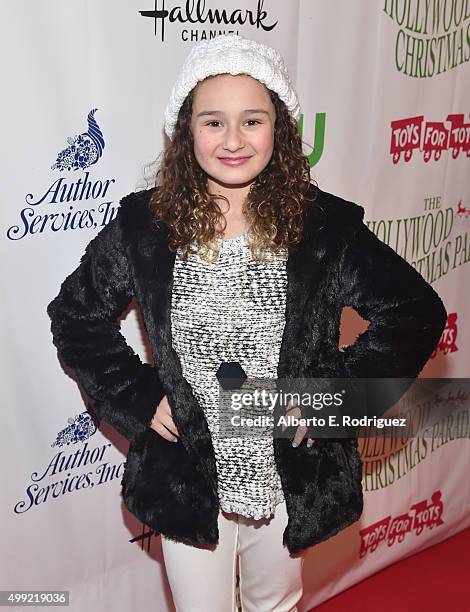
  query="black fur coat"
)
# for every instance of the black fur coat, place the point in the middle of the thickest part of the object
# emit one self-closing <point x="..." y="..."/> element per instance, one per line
<point x="171" y="487"/>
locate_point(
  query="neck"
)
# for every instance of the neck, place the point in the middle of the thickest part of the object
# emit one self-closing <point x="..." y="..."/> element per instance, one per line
<point x="236" y="222"/>
<point x="235" y="194"/>
<point x="234" y="227"/>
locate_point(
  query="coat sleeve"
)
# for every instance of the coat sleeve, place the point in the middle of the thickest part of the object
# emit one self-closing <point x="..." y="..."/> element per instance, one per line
<point x="406" y="316"/>
<point x="124" y="391"/>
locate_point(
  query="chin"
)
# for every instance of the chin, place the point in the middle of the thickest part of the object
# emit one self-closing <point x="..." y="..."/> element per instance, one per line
<point x="237" y="175"/>
<point x="235" y="181"/>
<point x="233" y="176"/>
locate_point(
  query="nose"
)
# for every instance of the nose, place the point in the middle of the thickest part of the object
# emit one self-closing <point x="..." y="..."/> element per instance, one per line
<point x="233" y="138"/>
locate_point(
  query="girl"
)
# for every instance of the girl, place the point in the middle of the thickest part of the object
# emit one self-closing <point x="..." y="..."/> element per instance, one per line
<point x="231" y="311"/>
<point x="236" y="280"/>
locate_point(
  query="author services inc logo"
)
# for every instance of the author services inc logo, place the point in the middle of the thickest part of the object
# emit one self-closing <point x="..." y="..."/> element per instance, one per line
<point x="194" y="13"/>
<point x="68" y="205"/>
<point x="76" y="466"/>
<point x="84" y="150"/>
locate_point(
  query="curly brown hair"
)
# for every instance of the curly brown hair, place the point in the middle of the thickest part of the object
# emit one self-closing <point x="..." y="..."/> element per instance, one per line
<point x="274" y="205"/>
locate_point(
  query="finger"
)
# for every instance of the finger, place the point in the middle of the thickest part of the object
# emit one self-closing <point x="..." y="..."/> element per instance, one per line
<point x="175" y="434"/>
<point x="163" y="432"/>
<point x="158" y="425"/>
<point x="291" y="407"/>
<point x="301" y="431"/>
<point x="167" y="421"/>
<point x="292" y="410"/>
<point x="310" y="441"/>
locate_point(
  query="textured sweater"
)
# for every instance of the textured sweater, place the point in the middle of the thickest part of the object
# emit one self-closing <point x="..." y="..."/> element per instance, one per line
<point x="232" y="309"/>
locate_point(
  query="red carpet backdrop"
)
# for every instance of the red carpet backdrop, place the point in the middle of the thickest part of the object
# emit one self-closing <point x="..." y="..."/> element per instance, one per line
<point x="384" y="89"/>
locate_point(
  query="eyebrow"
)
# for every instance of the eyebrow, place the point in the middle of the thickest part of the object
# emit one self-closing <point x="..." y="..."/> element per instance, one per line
<point x="244" y="112"/>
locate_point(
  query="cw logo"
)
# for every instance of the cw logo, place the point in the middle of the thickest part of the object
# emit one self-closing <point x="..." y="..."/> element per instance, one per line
<point x="318" y="137"/>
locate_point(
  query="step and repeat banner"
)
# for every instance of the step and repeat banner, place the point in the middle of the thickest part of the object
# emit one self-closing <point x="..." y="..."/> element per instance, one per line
<point x="384" y="89"/>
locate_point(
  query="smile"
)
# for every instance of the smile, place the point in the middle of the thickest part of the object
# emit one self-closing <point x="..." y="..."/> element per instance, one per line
<point x="233" y="161"/>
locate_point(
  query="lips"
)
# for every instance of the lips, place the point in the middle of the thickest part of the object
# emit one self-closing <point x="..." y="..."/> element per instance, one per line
<point x="234" y="161"/>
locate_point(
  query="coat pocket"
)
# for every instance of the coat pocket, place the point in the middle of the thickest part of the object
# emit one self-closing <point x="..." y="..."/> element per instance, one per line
<point x="162" y="487"/>
<point x="336" y="460"/>
<point x="323" y="488"/>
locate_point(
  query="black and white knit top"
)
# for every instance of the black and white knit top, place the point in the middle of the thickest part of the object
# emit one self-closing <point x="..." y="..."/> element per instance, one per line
<point x="232" y="309"/>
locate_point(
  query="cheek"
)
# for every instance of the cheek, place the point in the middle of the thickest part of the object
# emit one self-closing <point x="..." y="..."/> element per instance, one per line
<point x="203" y="146"/>
<point x="265" y="142"/>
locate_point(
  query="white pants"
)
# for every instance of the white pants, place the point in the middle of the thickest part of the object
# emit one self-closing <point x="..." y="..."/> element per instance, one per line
<point x="202" y="578"/>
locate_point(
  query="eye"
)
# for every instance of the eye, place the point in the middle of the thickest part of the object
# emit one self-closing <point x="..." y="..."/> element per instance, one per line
<point x="255" y="121"/>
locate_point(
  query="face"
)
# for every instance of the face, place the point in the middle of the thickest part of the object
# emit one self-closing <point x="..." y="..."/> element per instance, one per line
<point x="233" y="117"/>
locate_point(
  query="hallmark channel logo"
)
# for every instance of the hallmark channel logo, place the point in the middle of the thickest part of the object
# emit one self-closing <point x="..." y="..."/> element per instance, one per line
<point x="422" y="515"/>
<point x="195" y="13"/>
<point x="68" y="205"/>
<point x="429" y="137"/>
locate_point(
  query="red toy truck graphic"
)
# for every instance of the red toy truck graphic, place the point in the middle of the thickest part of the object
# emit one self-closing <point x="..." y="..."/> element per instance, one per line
<point x="428" y="515"/>
<point x="400" y="526"/>
<point x="435" y="139"/>
<point x="406" y="136"/>
<point x="459" y="138"/>
<point x="374" y="534"/>
<point x="422" y="514"/>
<point x="447" y="341"/>
<point x="430" y="137"/>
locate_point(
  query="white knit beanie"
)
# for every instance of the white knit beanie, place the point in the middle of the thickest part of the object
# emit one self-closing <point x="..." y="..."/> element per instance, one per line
<point x="233" y="54"/>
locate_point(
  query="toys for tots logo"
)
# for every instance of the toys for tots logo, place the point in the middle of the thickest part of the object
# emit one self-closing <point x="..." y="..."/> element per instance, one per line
<point x="390" y="529"/>
<point x="429" y="137"/>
